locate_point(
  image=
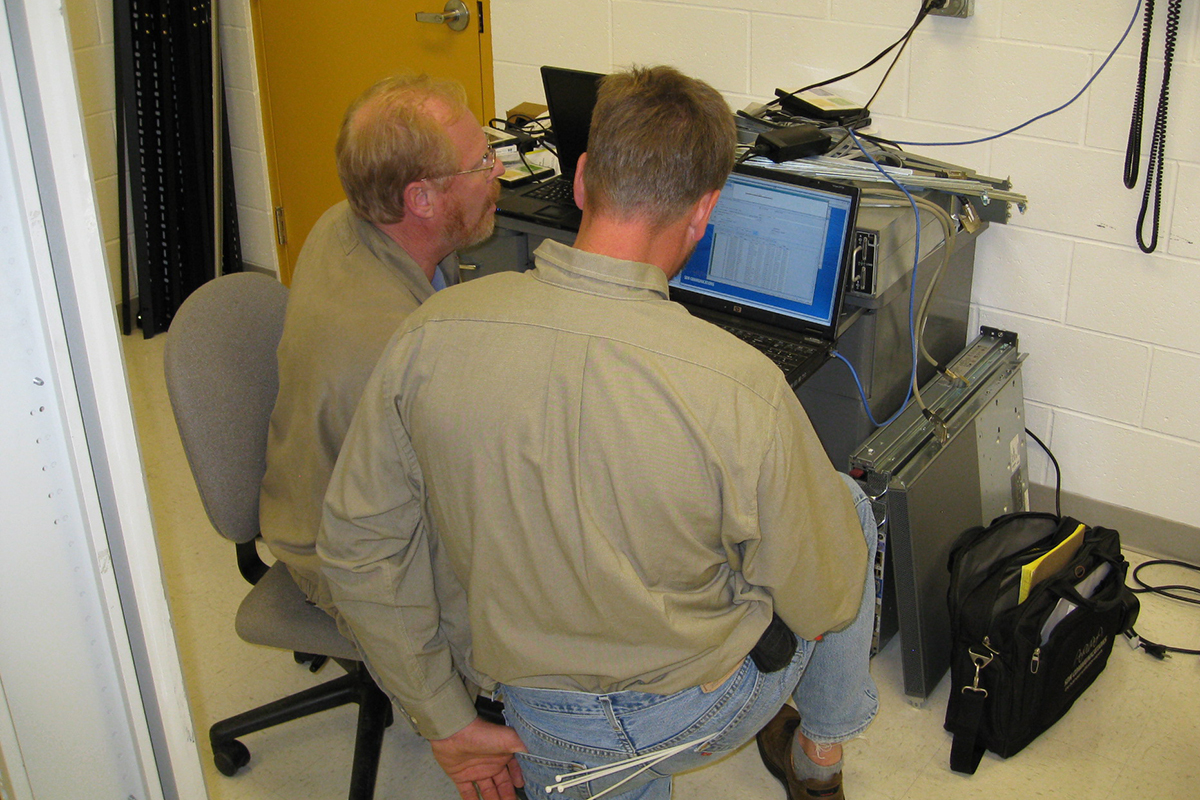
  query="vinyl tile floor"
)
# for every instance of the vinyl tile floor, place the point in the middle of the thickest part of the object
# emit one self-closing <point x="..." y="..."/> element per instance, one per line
<point x="1135" y="733"/>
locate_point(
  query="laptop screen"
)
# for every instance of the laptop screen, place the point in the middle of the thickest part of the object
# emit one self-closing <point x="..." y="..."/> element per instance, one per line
<point x="776" y="250"/>
<point x="570" y="98"/>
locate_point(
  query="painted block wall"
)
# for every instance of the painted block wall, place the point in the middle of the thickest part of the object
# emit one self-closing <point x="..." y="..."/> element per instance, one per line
<point x="243" y="110"/>
<point x="1113" y="335"/>
<point x="89" y="24"/>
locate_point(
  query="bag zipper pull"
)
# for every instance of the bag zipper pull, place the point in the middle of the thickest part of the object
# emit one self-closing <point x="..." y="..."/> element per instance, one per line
<point x="1036" y="661"/>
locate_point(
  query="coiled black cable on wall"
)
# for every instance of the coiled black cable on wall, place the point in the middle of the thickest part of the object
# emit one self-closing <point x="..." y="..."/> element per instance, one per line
<point x="1158" y="141"/>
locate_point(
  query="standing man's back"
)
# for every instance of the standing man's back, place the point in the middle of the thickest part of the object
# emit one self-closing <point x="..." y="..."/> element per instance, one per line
<point x="604" y="483"/>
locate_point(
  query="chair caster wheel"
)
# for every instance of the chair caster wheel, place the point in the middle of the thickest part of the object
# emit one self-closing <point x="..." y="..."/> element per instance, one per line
<point x="230" y="757"/>
<point x="313" y="662"/>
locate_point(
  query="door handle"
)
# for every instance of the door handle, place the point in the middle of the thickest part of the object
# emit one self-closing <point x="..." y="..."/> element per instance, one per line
<point x="456" y="16"/>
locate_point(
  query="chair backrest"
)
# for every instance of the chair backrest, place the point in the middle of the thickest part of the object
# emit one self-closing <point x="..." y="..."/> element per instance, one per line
<point x="222" y="378"/>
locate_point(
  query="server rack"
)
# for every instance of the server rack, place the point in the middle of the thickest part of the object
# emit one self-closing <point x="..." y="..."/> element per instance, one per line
<point x="933" y="476"/>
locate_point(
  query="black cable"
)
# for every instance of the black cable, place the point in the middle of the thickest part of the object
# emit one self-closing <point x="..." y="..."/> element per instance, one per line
<point x="900" y="52"/>
<point x="750" y="153"/>
<point x="526" y="141"/>
<point x="1057" y="472"/>
<point x="1162" y="589"/>
<point x="519" y="130"/>
<point x="509" y="125"/>
<point x="926" y="5"/>
<point x="1158" y="143"/>
<point x="876" y="139"/>
<point x="1133" y="150"/>
<point x="531" y="170"/>
<point x="1157" y="649"/>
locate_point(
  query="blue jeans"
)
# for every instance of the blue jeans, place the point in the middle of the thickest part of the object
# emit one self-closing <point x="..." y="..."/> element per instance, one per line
<point x="829" y="681"/>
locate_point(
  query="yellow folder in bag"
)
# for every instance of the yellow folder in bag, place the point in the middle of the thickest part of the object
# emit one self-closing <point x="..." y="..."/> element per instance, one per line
<point x="1049" y="563"/>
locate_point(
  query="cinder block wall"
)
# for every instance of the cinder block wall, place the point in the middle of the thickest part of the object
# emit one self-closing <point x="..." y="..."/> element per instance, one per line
<point x="1113" y="335"/>
<point x="90" y="27"/>
<point x="243" y="110"/>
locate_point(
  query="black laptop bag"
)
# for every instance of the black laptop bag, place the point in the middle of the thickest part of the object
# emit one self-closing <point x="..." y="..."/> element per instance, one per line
<point x="1014" y="673"/>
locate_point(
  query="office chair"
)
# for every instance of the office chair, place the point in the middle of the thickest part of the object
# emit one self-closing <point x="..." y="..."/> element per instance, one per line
<point x="222" y="379"/>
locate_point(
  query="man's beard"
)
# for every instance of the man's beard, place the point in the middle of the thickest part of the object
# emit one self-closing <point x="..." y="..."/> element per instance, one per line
<point x="463" y="236"/>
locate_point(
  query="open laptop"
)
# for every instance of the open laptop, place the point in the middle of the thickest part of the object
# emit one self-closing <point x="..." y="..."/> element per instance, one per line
<point x="771" y="268"/>
<point x="570" y="98"/>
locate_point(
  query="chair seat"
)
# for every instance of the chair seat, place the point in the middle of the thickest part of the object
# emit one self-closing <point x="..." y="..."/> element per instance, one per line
<point x="276" y="613"/>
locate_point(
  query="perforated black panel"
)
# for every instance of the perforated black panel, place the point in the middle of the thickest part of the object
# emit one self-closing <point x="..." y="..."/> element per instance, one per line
<point x="165" y="121"/>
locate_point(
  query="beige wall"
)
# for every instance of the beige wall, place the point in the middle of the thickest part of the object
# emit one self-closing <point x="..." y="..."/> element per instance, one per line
<point x="1113" y="335"/>
<point x="246" y="136"/>
<point x="90" y="25"/>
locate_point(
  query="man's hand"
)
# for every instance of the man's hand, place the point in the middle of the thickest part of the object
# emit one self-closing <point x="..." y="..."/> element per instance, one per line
<point x="481" y="755"/>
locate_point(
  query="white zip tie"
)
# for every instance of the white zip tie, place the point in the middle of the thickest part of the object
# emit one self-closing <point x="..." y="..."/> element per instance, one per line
<point x="633" y="761"/>
<point x="627" y="779"/>
<point x="645" y="761"/>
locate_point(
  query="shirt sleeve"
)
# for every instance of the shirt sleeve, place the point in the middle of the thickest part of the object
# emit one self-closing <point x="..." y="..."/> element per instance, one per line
<point x="375" y="549"/>
<point x="809" y="552"/>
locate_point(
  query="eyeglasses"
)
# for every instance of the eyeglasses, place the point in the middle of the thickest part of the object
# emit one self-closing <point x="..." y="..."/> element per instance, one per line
<point x="486" y="163"/>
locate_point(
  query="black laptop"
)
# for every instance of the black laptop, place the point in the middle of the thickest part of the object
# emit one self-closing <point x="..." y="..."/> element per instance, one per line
<point x="771" y="268"/>
<point x="570" y="98"/>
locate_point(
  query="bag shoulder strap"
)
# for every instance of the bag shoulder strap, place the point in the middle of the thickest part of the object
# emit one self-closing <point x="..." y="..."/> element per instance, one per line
<point x="967" y="751"/>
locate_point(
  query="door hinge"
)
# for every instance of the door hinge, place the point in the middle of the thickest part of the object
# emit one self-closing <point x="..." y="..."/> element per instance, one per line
<point x="479" y="8"/>
<point x="280" y="227"/>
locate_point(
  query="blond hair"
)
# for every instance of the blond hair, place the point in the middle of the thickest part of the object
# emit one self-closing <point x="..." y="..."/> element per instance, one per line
<point x="392" y="136"/>
<point x="659" y="141"/>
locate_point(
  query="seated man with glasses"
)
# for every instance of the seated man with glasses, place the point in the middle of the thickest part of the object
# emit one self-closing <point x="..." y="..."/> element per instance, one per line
<point x="420" y="179"/>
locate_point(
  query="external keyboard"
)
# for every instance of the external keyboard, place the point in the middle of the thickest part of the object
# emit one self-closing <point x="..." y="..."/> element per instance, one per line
<point x="787" y="354"/>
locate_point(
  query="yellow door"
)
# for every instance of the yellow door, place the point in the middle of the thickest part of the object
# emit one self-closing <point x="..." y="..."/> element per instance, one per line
<point x="315" y="57"/>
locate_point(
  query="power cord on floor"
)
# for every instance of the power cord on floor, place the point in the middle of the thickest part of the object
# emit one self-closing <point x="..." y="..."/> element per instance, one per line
<point x="1161" y="651"/>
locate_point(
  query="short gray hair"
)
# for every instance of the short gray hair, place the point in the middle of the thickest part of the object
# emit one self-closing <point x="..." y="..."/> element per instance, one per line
<point x="659" y="141"/>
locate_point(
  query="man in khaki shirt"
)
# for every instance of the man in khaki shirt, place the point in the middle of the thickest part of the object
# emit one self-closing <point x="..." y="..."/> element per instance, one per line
<point x="625" y="507"/>
<point x="420" y="181"/>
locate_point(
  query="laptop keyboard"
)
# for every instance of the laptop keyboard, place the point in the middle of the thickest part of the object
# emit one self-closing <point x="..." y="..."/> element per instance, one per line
<point x="786" y="354"/>
<point x="557" y="190"/>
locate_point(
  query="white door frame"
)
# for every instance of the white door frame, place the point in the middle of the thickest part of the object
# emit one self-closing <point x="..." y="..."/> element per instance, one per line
<point x="92" y="700"/>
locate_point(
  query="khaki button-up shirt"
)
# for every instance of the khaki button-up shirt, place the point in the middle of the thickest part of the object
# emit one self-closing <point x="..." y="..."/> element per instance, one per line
<point x="352" y="289"/>
<point x="605" y="492"/>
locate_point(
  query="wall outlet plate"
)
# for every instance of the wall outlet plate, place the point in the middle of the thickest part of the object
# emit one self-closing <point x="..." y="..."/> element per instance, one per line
<point x="955" y="8"/>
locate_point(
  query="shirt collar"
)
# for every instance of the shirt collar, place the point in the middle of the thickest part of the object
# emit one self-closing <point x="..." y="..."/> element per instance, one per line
<point x="575" y="269"/>
<point x="388" y="252"/>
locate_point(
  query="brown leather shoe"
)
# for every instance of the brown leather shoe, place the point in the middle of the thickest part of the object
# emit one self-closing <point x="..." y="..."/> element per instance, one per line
<point x="775" y="747"/>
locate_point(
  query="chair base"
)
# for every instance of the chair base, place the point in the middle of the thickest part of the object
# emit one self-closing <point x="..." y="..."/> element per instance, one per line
<point x="374" y="716"/>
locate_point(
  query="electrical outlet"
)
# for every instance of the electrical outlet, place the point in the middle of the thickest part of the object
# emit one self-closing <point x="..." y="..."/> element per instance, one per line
<point x="955" y="8"/>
